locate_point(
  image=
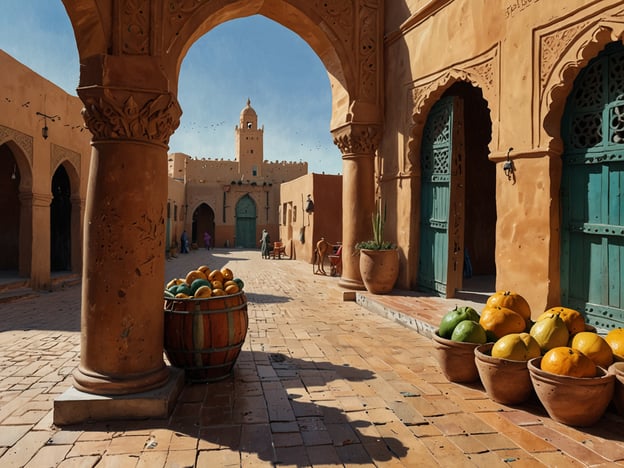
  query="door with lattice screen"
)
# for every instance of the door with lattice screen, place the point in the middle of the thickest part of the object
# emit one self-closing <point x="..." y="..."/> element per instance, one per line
<point x="592" y="188"/>
<point x="441" y="256"/>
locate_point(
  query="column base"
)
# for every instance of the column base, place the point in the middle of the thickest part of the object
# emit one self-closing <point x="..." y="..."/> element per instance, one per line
<point x="99" y="384"/>
<point x="75" y="406"/>
<point x="348" y="283"/>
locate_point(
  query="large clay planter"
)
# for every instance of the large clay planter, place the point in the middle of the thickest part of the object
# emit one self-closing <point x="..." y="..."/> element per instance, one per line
<point x="571" y="400"/>
<point x="505" y="381"/>
<point x="617" y="369"/>
<point x="456" y="359"/>
<point x="379" y="269"/>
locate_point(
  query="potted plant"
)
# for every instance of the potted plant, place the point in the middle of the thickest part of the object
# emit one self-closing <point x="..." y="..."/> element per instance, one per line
<point x="379" y="258"/>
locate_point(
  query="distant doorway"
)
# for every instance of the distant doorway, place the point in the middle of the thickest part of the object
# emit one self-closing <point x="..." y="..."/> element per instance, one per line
<point x="60" y="222"/>
<point x="246" y="223"/>
<point x="10" y="209"/>
<point x="203" y="221"/>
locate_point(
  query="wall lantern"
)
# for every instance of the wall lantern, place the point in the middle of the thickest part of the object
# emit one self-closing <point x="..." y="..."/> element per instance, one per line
<point x="309" y="205"/>
<point x="508" y="167"/>
<point x="14" y="175"/>
<point x="44" y="130"/>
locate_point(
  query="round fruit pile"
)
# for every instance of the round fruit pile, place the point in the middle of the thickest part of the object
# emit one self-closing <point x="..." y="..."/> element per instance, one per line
<point x="202" y="283"/>
<point x="559" y="334"/>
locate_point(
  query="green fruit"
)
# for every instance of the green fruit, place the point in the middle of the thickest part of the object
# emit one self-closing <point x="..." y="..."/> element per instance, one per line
<point x="184" y="289"/>
<point x="239" y="282"/>
<point x="550" y="332"/>
<point x="452" y="318"/>
<point x="469" y="331"/>
<point x="198" y="283"/>
<point x="169" y="294"/>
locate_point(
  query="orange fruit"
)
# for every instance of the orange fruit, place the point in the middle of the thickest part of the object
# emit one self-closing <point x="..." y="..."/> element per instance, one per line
<point x="501" y="321"/>
<point x="193" y="275"/>
<point x="516" y="347"/>
<point x="510" y="300"/>
<point x="203" y="291"/>
<point x="215" y="275"/>
<point x="594" y="347"/>
<point x="231" y="289"/>
<point x="575" y="322"/>
<point x="204" y="269"/>
<point x="615" y="339"/>
<point x="218" y="292"/>
<point x="564" y="360"/>
<point x="216" y="284"/>
<point x="227" y="274"/>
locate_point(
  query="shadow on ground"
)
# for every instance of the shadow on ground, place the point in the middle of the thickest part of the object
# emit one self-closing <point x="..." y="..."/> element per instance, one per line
<point x="281" y="409"/>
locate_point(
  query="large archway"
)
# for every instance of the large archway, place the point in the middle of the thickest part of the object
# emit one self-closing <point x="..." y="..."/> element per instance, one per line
<point x="130" y="61"/>
<point x="203" y="222"/>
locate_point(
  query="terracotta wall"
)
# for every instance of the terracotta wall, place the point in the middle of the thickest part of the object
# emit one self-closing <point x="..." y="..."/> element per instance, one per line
<point x="23" y="95"/>
<point x="522" y="57"/>
<point x="299" y="230"/>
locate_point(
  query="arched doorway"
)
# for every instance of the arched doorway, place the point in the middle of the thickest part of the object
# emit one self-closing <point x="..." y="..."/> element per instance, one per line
<point x="458" y="199"/>
<point x="246" y="222"/>
<point x="10" y="209"/>
<point x="203" y="221"/>
<point x="60" y="222"/>
<point x="592" y="229"/>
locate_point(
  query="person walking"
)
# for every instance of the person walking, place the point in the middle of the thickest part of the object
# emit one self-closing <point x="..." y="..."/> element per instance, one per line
<point x="184" y="242"/>
<point x="265" y="242"/>
<point x="207" y="240"/>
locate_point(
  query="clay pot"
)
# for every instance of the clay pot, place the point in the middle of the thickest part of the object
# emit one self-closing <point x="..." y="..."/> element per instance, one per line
<point x="617" y="370"/>
<point x="505" y="381"/>
<point x="456" y="359"/>
<point x="379" y="269"/>
<point x="572" y="400"/>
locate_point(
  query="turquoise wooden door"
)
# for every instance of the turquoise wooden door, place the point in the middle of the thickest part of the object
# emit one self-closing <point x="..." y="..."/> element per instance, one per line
<point x="442" y="200"/>
<point x="246" y="223"/>
<point x="592" y="187"/>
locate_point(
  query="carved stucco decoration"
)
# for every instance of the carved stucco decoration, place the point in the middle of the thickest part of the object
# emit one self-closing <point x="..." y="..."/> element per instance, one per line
<point x="563" y="51"/>
<point x="25" y="142"/>
<point x="357" y="139"/>
<point x="482" y="71"/>
<point x="134" y="27"/>
<point x="60" y="154"/>
<point x="368" y="52"/>
<point x="130" y="115"/>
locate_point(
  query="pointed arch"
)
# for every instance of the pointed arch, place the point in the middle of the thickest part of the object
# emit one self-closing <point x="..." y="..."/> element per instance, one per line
<point x="582" y="42"/>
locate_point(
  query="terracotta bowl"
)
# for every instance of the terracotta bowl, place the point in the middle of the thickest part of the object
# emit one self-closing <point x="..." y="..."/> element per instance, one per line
<point x="505" y="381"/>
<point x="456" y="359"/>
<point x="617" y="370"/>
<point x="571" y="400"/>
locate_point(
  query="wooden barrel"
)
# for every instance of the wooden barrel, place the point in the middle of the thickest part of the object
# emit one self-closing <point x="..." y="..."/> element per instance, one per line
<point x="204" y="336"/>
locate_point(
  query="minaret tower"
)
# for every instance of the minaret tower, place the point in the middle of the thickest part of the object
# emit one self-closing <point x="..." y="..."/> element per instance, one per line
<point x="249" y="144"/>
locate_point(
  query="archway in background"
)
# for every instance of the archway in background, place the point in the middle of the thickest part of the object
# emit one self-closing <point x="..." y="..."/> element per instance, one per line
<point x="203" y="221"/>
<point x="60" y="222"/>
<point x="10" y="209"/>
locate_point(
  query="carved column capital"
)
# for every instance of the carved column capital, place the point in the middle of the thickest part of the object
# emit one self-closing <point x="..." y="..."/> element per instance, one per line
<point x="357" y="139"/>
<point x="130" y="114"/>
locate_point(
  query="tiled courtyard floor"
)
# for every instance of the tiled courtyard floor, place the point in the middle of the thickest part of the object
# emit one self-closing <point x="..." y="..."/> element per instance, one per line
<point x="320" y="382"/>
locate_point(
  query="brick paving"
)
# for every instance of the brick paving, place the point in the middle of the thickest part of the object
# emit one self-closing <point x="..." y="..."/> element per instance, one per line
<point x="320" y="382"/>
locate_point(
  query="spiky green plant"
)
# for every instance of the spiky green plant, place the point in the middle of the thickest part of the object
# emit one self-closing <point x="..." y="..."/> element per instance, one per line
<point x="378" y="218"/>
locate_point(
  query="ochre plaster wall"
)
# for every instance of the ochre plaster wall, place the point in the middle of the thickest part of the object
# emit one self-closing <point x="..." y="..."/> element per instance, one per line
<point x="300" y="230"/>
<point x="516" y="53"/>
<point x="24" y="93"/>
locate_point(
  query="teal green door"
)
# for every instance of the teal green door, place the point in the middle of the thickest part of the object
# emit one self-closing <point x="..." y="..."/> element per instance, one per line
<point x="592" y="187"/>
<point x="441" y="256"/>
<point x="246" y="223"/>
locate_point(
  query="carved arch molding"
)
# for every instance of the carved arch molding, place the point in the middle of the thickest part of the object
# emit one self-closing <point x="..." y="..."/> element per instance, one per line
<point x="23" y="141"/>
<point x="561" y="50"/>
<point x="482" y="71"/>
<point x="155" y="35"/>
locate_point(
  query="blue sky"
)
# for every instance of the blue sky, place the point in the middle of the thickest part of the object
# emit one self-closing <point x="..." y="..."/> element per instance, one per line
<point x="252" y="57"/>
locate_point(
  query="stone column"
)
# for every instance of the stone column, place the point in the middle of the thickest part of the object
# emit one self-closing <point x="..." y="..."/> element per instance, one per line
<point x="357" y="143"/>
<point x="131" y="115"/>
